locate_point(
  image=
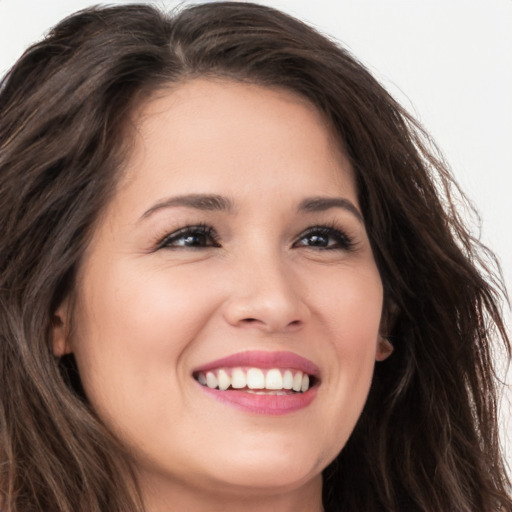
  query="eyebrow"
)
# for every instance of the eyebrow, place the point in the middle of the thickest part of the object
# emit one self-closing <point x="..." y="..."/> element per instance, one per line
<point x="204" y="202"/>
<point x="207" y="202"/>
<point x="321" y="204"/>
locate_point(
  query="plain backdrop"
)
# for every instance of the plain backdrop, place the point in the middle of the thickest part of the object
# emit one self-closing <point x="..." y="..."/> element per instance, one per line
<point x="447" y="61"/>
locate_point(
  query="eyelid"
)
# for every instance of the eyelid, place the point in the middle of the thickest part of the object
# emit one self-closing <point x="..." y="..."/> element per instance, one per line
<point x="195" y="229"/>
<point x="345" y="242"/>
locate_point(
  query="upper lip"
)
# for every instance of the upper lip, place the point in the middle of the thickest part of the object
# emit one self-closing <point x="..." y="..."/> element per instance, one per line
<point x="263" y="359"/>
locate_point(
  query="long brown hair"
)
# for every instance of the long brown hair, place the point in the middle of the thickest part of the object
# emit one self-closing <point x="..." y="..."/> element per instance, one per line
<point x="427" y="439"/>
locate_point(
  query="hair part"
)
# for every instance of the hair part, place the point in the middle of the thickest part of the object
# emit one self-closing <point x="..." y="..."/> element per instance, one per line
<point x="65" y="112"/>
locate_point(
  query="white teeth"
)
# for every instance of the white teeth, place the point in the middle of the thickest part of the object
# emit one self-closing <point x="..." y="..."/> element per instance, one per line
<point x="288" y="379"/>
<point x="211" y="380"/>
<point x="305" y="383"/>
<point x="224" y="380"/>
<point x="255" y="379"/>
<point x="297" y="381"/>
<point x="238" y="380"/>
<point x="274" y="379"/>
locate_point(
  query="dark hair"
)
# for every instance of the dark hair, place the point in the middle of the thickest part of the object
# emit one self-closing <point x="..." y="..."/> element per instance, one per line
<point x="427" y="439"/>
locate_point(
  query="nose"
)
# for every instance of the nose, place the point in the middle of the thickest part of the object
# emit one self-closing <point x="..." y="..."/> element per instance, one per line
<point x="266" y="295"/>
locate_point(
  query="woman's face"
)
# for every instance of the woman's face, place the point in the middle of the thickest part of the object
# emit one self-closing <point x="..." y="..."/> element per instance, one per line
<point x="234" y="254"/>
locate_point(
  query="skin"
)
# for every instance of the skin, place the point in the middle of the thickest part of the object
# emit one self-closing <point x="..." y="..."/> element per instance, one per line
<point x="146" y="316"/>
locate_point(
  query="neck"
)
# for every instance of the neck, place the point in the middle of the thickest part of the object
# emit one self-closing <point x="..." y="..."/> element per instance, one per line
<point x="165" y="497"/>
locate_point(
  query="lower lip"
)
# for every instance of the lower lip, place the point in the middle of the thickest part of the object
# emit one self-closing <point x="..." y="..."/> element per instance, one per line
<point x="263" y="404"/>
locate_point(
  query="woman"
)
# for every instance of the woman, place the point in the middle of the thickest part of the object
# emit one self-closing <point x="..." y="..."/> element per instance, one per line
<point x="214" y="224"/>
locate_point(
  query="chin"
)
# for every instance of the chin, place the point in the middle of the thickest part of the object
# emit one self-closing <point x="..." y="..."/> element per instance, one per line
<point x="277" y="469"/>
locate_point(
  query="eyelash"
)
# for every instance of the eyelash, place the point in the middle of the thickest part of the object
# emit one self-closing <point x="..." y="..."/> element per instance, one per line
<point x="342" y="241"/>
<point x="208" y="234"/>
<point x="199" y="230"/>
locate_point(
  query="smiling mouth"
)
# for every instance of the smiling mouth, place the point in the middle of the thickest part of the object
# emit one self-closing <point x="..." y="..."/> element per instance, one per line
<point x="271" y="381"/>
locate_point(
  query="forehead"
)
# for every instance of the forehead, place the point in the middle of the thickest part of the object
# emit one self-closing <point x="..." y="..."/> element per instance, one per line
<point x="220" y="134"/>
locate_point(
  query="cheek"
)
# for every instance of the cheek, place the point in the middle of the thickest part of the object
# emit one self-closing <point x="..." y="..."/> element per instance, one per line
<point x="133" y="327"/>
<point x="143" y="308"/>
<point x="352" y="306"/>
<point x="357" y="325"/>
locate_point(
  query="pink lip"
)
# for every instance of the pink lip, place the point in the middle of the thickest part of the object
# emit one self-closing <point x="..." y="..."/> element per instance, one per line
<point x="263" y="404"/>
<point x="265" y="360"/>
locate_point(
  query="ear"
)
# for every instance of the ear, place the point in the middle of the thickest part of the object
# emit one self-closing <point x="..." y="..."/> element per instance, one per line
<point x="384" y="349"/>
<point x="60" y="331"/>
<point x="384" y="346"/>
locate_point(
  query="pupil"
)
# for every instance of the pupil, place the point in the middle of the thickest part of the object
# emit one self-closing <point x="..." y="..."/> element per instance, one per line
<point x="194" y="240"/>
<point x="318" y="240"/>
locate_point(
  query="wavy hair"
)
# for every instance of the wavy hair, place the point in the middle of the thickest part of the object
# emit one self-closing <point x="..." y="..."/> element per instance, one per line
<point x="427" y="439"/>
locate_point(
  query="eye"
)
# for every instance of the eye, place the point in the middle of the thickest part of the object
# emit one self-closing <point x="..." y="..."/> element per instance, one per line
<point x="324" y="237"/>
<point x="194" y="237"/>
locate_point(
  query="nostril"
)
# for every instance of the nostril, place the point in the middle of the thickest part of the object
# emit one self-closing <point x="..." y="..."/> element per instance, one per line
<point x="256" y="321"/>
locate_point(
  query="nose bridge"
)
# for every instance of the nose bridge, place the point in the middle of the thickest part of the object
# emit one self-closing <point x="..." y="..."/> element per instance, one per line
<point x="265" y="293"/>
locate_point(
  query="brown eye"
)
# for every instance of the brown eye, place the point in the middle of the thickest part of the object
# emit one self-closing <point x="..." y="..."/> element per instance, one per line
<point x="193" y="237"/>
<point x="323" y="237"/>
